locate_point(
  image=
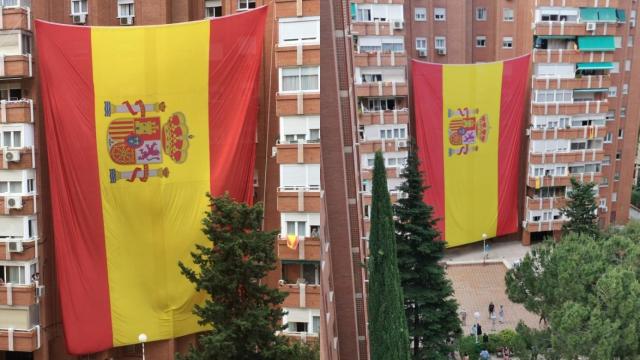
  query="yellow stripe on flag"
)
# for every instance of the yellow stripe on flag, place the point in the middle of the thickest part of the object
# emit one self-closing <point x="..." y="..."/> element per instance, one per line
<point x="160" y="217"/>
<point x="471" y="193"/>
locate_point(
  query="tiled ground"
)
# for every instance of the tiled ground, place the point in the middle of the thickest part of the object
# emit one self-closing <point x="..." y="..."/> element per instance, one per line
<point x="476" y="286"/>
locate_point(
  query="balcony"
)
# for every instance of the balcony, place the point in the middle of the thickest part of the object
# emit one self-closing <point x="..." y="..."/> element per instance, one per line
<point x="16" y="17"/>
<point x="308" y="249"/>
<point x="574" y="156"/>
<point x="386" y="2"/>
<point x="296" y="8"/>
<point x="386" y="28"/>
<point x="297" y="104"/>
<point x="584" y="82"/>
<point x="16" y="66"/>
<point x="287" y="56"/>
<point x="537" y="226"/>
<point x="366" y="197"/>
<point x="565" y="28"/>
<point x="545" y="203"/>
<point x="21" y="249"/>
<point x="20" y="340"/>
<point x="308" y="153"/>
<point x="20" y="111"/>
<point x="27" y="207"/>
<point x="576" y="3"/>
<point x="400" y="116"/>
<point x="17" y="295"/>
<point x="367" y="174"/>
<point x="301" y="295"/>
<point x="570" y="108"/>
<point x="580" y="132"/>
<point x="540" y="181"/>
<point x="384" y="145"/>
<point x="390" y="88"/>
<point x="299" y="199"/>
<point x="570" y="56"/>
<point x="25" y="159"/>
<point x="304" y="337"/>
<point x="366" y="59"/>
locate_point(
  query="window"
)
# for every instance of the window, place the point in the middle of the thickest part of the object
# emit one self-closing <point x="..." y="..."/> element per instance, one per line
<point x="616" y="176"/>
<point x="316" y="325"/>
<point x="10" y="187"/>
<point x="213" y="8"/>
<point x="613" y="91"/>
<point x="623" y="112"/>
<point x="507" y="42"/>
<point x="304" y="78"/>
<point x="367" y="208"/>
<point x="555" y="70"/>
<point x="630" y="41"/>
<point x="11" y="139"/>
<point x="441" y="43"/>
<point x="627" y="65"/>
<point x="608" y="137"/>
<point x="292" y="31"/>
<point x="11" y="92"/>
<point x="26" y="44"/>
<point x="481" y="41"/>
<point x="620" y="133"/>
<point x="559" y="96"/>
<point x="13" y="274"/>
<point x="298" y="228"/>
<point x="617" y="42"/>
<point x="126" y="8"/>
<point x="604" y="182"/>
<point x="616" y="68"/>
<point x="246" y="4"/>
<point x="297" y="327"/>
<point x="421" y="14"/>
<point x="618" y="155"/>
<point x="606" y="160"/>
<point x="625" y="89"/>
<point x="384" y="104"/>
<point x="78" y="7"/>
<point x="507" y="14"/>
<point x="395" y="133"/>
<point x="481" y="14"/>
<point x="421" y="43"/>
<point x="440" y="14"/>
<point x="614" y="196"/>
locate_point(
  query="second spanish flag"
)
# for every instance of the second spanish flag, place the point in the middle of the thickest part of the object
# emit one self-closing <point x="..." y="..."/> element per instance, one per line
<point x="469" y="128"/>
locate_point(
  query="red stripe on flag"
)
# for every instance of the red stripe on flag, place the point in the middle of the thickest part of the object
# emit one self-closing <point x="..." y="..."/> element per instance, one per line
<point x="76" y="203"/>
<point x="236" y="43"/>
<point x="427" y="87"/>
<point x="515" y="75"/>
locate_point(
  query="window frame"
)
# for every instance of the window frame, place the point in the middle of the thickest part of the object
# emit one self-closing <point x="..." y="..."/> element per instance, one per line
<point x="299" y="76"/>
<point x="482" y="14"/>
<point x="481" y="38"/>
<point x="440" y="14"/>
<point x="504" y="15"/>
<point x="80" y="2"/>
<point x="507" y="40"/>
<point x="420" y="14"/>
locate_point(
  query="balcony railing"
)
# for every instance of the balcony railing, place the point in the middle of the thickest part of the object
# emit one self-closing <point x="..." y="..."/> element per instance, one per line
<point x="295" y="188"/>
<point x="20" y="340"/>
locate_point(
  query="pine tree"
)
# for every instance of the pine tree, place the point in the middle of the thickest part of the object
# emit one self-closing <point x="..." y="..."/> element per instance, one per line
<point x="581" y="209"/>
<point x="431" y="310"/>
<point x="388" y="335"/>
<point x="243" y="312"/>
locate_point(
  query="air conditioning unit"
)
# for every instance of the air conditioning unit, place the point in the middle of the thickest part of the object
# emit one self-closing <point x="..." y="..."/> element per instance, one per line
<point x="13" y="202"/>
<point x="524" y="224"/>
<point x="441" y="51"/>
<point x="16" y="247"/>
<point x="422" y="53"/>
<point x="398" y="24"/>
<point x="591" y="26"/>
<point x="632" y="23"/>
<point x="126" y="20"/>
<point x="402" y="143"/>
<point x="80" y="19"/>
<point x="11" y="155"/>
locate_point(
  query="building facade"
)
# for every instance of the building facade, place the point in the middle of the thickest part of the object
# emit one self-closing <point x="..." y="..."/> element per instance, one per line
<point x="287" y="174"/>
<point x="580" y="120"/>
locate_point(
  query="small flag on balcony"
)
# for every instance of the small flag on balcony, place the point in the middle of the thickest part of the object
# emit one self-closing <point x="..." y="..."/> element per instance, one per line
<point x="469" y="128"/>
<point x="292" y="242"/>
<point x="142" y="122"/>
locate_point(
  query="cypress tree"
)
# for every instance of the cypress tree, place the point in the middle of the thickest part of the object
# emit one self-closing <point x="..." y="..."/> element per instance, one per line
<point x="388" y="335"/>
<point x="242" y="311"/>
<point x="581" y="210"/>
<point x="431" y="311"/>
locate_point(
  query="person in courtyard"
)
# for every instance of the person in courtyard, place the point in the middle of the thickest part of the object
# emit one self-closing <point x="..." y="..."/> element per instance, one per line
<point x="501" y="314"/>
<point x="492" y="308"/>
<point x="485" y="340"/>
<point x="484" y="354"/>
<point x="493" y="321"/>
<point x="465" y="357"/>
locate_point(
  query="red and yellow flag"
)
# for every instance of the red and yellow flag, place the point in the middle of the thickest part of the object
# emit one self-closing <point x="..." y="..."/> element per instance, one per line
<point x="469" y="129"/>
<point x="142" y="122"/>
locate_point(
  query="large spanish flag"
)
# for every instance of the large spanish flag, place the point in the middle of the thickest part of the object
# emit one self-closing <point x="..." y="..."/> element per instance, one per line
<point x="142" y="122"/>
<point x="469" y="129"/>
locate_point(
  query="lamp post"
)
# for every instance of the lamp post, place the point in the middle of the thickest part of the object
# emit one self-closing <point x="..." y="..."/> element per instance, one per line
<point x="143" y="338"/>
<point x="484" y="247"/>
<point x="477" y="316"/>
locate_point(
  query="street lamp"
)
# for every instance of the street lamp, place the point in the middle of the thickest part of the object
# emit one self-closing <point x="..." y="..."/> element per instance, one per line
<point x="484" y="247"/>
<point x="143" y="338"/>
<point x="477" y="316"/>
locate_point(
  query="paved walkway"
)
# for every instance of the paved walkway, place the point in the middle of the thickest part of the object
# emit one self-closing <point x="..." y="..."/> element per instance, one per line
<point x="498" y="250"/>
<point x="476" y="285"/>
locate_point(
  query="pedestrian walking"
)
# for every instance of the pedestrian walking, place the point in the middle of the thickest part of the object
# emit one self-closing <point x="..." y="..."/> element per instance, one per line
<point x="493" y="322"/>
<point x="492" y="308"/>
<point x="484" y="354"/>
<point x="501" y="314"/>
<point x="463" y="317"/>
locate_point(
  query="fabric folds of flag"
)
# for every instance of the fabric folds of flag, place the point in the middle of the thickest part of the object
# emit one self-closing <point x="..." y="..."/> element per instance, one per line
<point x="469" y="130"/>
<point x="142" y="122"/>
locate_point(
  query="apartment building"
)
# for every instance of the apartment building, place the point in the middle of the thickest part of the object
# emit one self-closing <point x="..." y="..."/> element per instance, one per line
<point x="286" y="175"/>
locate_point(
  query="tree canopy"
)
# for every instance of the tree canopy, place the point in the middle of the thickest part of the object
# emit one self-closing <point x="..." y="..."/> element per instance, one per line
<point x="581" y="209"/>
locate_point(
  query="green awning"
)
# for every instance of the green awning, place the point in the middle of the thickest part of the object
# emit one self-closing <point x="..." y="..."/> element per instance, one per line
<point x="559" y="37"/>
<point x="588" y="14"/>
<point x="596" y="43"/>
<point x="594" y="90"/>
<point x="595" y="66"/>
<point x="607" y="15"/>
<point x="620" y="15"/>
<point x="354" y="10"/>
